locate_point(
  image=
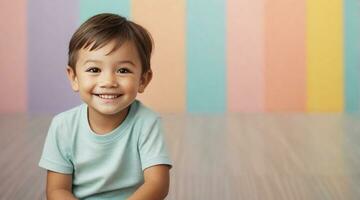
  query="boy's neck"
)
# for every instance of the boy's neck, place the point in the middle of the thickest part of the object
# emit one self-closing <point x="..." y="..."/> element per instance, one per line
<point x="102" y="124"/>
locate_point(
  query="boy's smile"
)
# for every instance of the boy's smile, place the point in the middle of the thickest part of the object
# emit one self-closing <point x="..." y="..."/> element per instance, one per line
<point x="108" y="98"/>
<point x="108" y="80"/>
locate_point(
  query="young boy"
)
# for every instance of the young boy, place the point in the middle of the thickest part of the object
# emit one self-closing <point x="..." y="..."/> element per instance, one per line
<point x="110" y="147"/>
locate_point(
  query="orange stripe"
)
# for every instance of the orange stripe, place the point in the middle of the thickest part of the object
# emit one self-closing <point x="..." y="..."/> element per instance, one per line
<point x="165" y="20"/>
<point x="285" y="74"/>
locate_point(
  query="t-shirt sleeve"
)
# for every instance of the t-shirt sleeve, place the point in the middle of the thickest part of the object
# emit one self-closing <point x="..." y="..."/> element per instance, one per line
<point x="55" y="156"/>
<point x="152" y="146"/>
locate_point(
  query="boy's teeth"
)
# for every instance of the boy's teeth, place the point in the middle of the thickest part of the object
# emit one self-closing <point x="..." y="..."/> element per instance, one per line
<point x="107" y="96"/>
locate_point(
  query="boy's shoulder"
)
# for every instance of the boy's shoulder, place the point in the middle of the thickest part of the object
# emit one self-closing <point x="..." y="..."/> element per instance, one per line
<point x="144" y="110"/>
<point x="64" y="125"/>
<point x="70" y="116"/>
<point x="144" y="113"/>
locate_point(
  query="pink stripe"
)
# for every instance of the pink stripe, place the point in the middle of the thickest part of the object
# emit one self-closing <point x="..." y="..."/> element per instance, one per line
<point x="245" y="55"/>
<point x="13" y="56"/>
<point x="285" y="55"/>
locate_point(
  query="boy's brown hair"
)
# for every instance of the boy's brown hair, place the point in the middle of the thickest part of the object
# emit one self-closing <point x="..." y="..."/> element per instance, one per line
<point x="101" y="29"/>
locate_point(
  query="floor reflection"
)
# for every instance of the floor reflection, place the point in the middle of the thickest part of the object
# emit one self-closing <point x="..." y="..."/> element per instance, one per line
<point x="233" y="156"/>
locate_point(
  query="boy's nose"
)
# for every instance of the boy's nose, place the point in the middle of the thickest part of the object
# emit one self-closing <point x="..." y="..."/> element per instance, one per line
<point x="108" y="80"/>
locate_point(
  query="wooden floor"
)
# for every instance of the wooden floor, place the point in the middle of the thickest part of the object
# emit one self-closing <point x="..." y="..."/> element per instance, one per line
<point x="219" y="157"/>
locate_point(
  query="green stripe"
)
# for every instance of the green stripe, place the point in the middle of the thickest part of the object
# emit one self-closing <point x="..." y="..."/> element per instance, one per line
<point x="206" y="77"/>
<point x="352" y="55"/>
<point x="89" y="8"/>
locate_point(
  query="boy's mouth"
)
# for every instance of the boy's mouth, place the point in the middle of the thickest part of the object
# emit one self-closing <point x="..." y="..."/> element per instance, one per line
<point x="108" y="96"/>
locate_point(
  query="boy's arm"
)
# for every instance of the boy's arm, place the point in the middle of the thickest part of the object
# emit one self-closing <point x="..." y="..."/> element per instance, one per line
<point x="59" y="186"/>
<point x="156" y="184"/>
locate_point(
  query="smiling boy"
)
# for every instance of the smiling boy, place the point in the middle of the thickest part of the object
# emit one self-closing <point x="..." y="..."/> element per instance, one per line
<point x="110" y="147"/>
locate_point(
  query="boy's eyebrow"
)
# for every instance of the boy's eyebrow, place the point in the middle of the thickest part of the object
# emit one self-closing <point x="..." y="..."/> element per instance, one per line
<point x="125" y="61"/>
<point x="118" y="62"/>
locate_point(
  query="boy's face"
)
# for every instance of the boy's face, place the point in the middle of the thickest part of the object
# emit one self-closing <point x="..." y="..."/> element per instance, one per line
<point x="109" y="83"/>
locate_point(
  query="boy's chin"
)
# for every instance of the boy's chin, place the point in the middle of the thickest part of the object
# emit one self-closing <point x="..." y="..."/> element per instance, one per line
<point x="112" y="112"/>
<point x="109" y="111"/>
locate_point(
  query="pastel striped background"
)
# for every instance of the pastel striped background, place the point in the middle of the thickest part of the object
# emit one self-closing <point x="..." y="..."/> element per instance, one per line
<point x="211" y="56"/>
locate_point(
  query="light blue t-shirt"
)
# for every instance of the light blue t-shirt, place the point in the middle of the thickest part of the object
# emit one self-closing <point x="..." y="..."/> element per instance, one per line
<point x="106" y="166"/>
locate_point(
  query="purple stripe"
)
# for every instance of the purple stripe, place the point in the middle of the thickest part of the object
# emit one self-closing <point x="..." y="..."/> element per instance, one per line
<point x="50" y="26"/>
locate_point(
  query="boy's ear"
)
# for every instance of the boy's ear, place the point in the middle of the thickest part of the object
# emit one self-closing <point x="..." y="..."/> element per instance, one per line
<point x="72" y="78"/>
<point x="144" y="81"/>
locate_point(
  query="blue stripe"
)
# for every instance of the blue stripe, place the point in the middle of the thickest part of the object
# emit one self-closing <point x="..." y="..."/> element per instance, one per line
<point x="206" y="65"/>
<point x="352" y="55"/>
<point x="88" y="8"/>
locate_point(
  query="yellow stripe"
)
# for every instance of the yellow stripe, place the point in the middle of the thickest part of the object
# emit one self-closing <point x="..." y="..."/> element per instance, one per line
<point x="325" y="56"/>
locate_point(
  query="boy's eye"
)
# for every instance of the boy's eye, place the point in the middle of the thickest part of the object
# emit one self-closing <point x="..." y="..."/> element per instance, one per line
<point x="93" y="70"/>
<point x="123" y="71"/>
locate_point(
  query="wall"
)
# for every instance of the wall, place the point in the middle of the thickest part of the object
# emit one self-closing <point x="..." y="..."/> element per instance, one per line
<point x="211" y="56"/>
